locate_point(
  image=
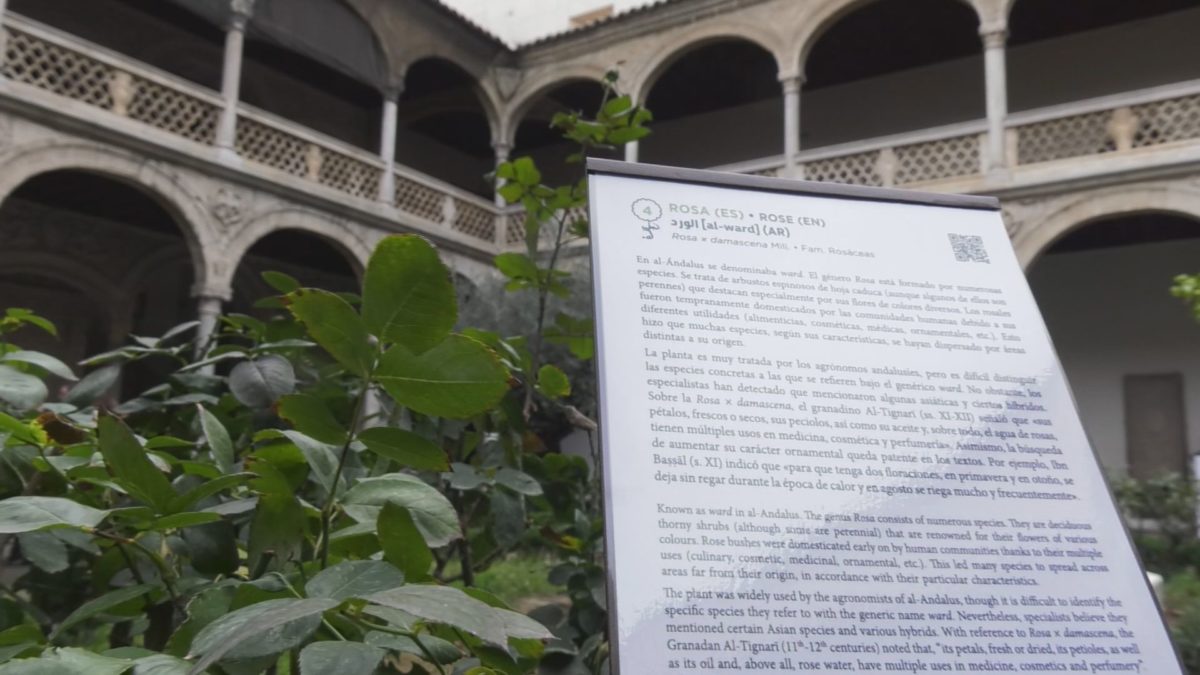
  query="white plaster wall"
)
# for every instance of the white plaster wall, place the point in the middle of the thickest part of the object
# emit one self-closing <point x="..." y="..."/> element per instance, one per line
<point x="1110" y="315"/>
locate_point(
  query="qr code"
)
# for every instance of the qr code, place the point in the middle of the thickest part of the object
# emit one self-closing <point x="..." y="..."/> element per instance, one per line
<point x="968" y="248"/>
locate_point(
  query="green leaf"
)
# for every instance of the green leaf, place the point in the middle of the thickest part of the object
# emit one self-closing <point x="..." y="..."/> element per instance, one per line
<point x="458" y="378"/>
<point x="21" y="391"/>
<point x="518" y="481"/>
<point x="618" y="105"/>
<point x="339" y="658"/>
<point x="333" y="324"/>
<point x="29" y="514"/>
<point x="207" y="489"/>
<point x="311" y="417"/>
<point x="45" y="551"/>
<point x="44" y="361"/>
<point x="261" y="629"/>
<point x="465" y="477"/>
<point x="68" y="661"/>
<point x="128" y="462"/>
<point x="93" y="385"/>
<point x="516" y="266"/>
<point x="553" y="382"/>
<point x="19" y="315"/>
<point x="178" y="521"/>
<point x="450" y="606"/>
<point x="160" y="664"/>
<point x="354" y="579"/>
<point x="408" y="297"/>
<point x="101" y="604"/>
<point x="260" y="382"/>
<point x="431" y="511"/>
<point x="403" y="544"/>
<point x="443" y="652"/>
<point x="284" y="283"/>
<point x="322" y="458"/>
<point x="511" y="192"/>
<point x="526" y="172"/>
<point x="219" y="443"/>
<point x="279" y="525"/>
<point x="407" y="448"/>
<point x="627" y="135"/>
<point x="33" y="435"/>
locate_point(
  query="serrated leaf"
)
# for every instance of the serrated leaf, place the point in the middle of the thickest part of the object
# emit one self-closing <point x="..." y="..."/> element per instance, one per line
<point x="219" y="443"/>
<point x="99" y="605"/>
<point x="552" y="382"/>
<point x="408" y="296"/>
<point x="44" y="551"/>
<point x="260" y="382"/>
<point x="354" y="579"/>
<point x="405" y="447"/>
<point x="431" y="511"/>
<point x="284" y="283"/>
<point x="44" y="361"/>
<point x="403" y="544"/>
<point x="127" y="460"/>
<point x="458" y="378"/>
<point x="516" y="266"/>
<point x="443" y="652"/>
<point x="333" y="324"/>
<point x="322" y="458"/>
<point x="21" y="391"/>
<point x="311" y="417"/>
<point x="518" y="481"/>
<point x="261" y="629"/>
<point x="339" y="658"/>
<point x="29" y="514"/>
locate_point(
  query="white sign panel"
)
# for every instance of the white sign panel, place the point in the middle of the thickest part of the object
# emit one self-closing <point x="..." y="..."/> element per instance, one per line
<point x="837" y="438"/>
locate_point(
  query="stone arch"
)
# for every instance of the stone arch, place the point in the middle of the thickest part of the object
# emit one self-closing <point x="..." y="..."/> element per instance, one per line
<point x="486" y="97"/>
<point x="156" y="180"/>
<point x="1091" y="207"/>
<point x="680" y="46"/>
<point x="112" y="300"/>
<point x="520" y="106"/>
<point x="339" y="234"/>
<point x="827" y="14"/>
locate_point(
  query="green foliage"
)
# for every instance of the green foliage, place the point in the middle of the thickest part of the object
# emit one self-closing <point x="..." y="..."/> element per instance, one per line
<point x="301" y="497"/>
<point x="1161" y="515"/>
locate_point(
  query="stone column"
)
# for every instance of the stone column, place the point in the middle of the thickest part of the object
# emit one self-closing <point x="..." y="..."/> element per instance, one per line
<point x="791" y="120"/>
<point x="231" y="74"/>
<point x="996" y="82"/>
<point x="500" y="228"/>
<point x="387" y="144"/>
<point x="631" y="152"/>
<point x="208" y="310"/>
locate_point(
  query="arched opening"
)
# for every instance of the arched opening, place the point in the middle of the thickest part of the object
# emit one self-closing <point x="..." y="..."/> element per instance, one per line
<point x="311" y="259"/>
<point x="892" y="66"/>
<point x="99" y="257"/>
<point x="1058" y="54"/>
<point x="443" y="126"/>
<point x="537" y="139"/>
<point x="716" y="103"/>
<point x="1131" y="351"/>
<point x="315" y="63"/>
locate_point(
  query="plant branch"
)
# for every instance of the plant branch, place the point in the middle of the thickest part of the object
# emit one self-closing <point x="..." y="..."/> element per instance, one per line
<point x="331" y="503"/>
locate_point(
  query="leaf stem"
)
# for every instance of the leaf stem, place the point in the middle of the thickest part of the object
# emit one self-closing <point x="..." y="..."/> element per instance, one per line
<point x="331" y="503"/>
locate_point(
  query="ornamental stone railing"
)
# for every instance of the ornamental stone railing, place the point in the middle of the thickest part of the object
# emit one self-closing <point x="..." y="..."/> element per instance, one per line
<point x="62" y="64"/>
<point x="949" y="158"/>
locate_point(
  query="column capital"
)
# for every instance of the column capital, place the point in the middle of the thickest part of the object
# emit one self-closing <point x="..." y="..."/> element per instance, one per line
<point x="791" y="80"/>
<point x="994" y="34"/>
<point x="393" y="91"/>
<point x="210" y="292"/>
<point x="240" y="12"/>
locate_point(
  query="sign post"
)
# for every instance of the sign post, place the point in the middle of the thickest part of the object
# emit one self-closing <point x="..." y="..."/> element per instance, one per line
<point x="837" y="438"/>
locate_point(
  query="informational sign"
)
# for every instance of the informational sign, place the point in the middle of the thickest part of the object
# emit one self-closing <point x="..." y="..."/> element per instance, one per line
<point x="837" y="439"/>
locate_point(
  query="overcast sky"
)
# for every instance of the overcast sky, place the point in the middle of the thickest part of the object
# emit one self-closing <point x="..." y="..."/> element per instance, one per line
<point x="520" y="21"/>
